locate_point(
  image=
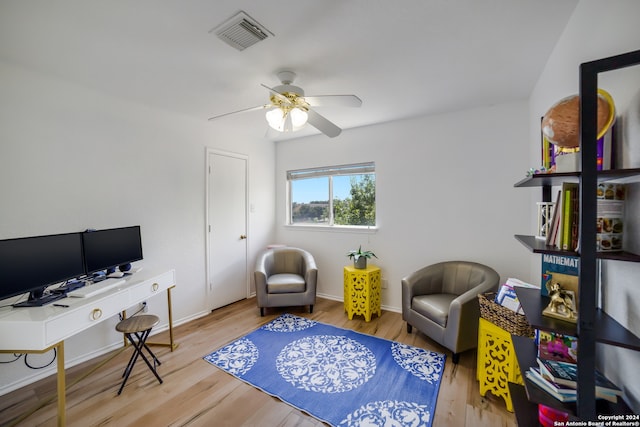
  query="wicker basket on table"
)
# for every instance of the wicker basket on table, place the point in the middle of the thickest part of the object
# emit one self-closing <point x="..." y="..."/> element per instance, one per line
<point x="509" y="320"/>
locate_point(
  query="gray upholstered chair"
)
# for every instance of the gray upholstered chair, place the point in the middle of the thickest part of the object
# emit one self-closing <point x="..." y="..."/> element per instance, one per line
<point x="285" y="276"/>
<point x="441" y="300"/>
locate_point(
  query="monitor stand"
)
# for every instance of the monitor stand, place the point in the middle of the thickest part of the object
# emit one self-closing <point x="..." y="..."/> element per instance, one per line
<point x="38" y="299"/>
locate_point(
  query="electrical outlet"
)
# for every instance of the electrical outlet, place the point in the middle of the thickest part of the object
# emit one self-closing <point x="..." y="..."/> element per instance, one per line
<point x="143" y="306"/>
<point x="384" y="282"/>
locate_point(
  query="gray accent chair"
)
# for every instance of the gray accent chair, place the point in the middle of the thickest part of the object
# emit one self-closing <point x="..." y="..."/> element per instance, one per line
<point x="441" y="300"/>
<point x="284" y="277"/>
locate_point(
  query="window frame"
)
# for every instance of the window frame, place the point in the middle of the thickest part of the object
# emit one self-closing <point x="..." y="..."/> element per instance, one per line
<point x="329" y="172"/>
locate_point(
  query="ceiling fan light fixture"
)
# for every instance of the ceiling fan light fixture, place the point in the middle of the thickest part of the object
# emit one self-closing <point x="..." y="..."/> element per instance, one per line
<point x="275" y="118"/>
<point x="286" y="119"/>
<point x="289" y="110"/>
<point x="298" y="118"/>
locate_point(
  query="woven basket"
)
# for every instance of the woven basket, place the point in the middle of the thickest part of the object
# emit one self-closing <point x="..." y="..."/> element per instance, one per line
<point x="509" y="320"/>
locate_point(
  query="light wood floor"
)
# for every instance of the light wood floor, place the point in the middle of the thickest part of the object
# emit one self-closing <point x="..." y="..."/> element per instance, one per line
<point x="195" y="393"/>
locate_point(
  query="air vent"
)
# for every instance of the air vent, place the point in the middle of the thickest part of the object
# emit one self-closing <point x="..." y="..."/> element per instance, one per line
<point x="241" y="31"/>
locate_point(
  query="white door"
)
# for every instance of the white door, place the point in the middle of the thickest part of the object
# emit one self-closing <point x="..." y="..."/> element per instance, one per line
<point x="226" y="228"/>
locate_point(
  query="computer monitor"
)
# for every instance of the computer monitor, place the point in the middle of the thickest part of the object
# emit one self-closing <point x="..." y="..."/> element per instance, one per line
<point x="110" y="248"/>
<point x="31" y="264"/>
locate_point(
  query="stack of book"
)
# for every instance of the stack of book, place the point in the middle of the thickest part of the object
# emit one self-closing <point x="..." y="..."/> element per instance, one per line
<point x="564" y="224"/>
<point x="563" y="232"/>
<point x="559" y="379"/>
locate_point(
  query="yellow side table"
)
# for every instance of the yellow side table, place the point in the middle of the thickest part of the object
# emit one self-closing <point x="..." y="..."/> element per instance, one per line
<point x="362" y="293"/>
<point x="497" y="362"/>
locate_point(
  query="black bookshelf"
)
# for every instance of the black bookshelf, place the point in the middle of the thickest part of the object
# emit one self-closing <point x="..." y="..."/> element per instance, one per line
<point x="594" y="325"/>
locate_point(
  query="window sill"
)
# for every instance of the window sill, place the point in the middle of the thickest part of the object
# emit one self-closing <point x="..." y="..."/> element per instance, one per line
<point x="333" y="228"/>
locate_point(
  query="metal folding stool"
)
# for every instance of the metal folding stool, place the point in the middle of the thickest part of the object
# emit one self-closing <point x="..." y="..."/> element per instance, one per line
<point x="140" y="328"/>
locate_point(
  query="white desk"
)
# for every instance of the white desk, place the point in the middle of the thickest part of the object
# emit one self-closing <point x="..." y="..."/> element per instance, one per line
<point x="40" y="329"/>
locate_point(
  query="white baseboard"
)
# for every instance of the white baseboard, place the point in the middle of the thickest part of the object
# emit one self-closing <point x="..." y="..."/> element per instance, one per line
<point x="69" y="363"/>
<point x="341" y="299"/>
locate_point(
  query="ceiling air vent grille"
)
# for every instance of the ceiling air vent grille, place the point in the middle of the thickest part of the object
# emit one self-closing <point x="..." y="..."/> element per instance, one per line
<point x="241" y="31"/>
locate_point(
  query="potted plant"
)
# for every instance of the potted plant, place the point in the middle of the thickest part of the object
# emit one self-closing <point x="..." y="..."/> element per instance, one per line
<point x="360" y="257"/>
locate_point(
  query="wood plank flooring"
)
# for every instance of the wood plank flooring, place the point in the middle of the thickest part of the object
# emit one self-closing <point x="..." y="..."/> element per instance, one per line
<point x="195" y="393"/>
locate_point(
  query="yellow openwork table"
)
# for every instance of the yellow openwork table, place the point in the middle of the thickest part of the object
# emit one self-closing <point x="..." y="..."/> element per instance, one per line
<point x="497" y="362"/>
<point x="362" y="291"/>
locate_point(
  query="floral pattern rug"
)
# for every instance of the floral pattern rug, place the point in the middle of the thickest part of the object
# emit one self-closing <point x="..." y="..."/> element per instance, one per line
<point x="339" y="376"/>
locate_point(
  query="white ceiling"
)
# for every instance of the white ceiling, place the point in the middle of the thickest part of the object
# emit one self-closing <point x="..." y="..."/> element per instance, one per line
<point x="403" y="58"/>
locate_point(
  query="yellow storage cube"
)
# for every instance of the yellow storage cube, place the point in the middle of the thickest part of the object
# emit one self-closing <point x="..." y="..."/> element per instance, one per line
<point x="497" y="362"/>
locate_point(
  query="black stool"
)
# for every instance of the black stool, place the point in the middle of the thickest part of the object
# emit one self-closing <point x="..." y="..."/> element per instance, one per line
<point x="140" y="328"/>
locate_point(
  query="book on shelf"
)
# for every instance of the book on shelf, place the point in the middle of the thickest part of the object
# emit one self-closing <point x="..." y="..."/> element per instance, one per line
<point x="575" y="220"/>
<point x="604" y="149"/>
<point x="557" y="241"/>
<point x="556" y="346"/>
<point x="610" y="216"/>
<point x="566" y="374"/>
<point x="569" y="206"/>
<point x="565" y="219"/>
<point x="560" y="392"/>
<point x="507" y="297"/>
<point x="560" y="269"/>
<point x="548" y="151"/>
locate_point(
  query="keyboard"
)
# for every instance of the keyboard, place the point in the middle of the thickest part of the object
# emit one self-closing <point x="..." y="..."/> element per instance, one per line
<point x="95" y="289"/>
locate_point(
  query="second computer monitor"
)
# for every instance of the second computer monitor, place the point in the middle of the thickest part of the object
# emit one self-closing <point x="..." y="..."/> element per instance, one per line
<point x="106" y="249"/>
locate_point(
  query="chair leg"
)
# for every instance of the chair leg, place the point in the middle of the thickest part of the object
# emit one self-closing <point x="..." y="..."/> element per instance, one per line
<point x="409" y="328"/>
<point x="261" y="311"/>
<point x="455" y="358"/>
<point x="138" y="345"/>
<point x="311" y="308"/>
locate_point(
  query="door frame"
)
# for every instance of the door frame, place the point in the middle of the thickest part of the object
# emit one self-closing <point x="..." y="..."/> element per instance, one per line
<point x="207" y="226"/>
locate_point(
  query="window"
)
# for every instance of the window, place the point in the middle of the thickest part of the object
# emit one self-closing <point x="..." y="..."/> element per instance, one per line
<point x="333" y="196"/>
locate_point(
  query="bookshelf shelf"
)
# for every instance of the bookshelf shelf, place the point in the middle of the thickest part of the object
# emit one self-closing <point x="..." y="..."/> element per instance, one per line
<point x="608" y="330"/>
<point x="526" y="412"/>
<point x="554" y="179"/>
<point x="594" y="325"/>
<point x="525" y="398"/>
<point x="538" y="246"/>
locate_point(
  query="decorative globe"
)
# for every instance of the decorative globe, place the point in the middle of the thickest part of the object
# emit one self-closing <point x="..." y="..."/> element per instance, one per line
<point x="561" y="124"/>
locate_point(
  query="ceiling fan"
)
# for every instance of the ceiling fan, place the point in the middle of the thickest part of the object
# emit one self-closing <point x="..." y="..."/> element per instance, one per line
<point x="289" y="109"/>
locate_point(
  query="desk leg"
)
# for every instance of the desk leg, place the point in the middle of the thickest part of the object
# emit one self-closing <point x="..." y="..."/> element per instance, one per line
<point x="62" y="393"/>
<point x="169" y="308"/>
<point x="171" y="344"/>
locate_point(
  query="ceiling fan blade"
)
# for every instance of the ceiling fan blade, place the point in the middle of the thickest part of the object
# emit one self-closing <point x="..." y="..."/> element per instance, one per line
<point x="277" y="94"/>
<point x="259" y="107"/>
<point x="334" y="101"/>
<point x="322" y="124"/>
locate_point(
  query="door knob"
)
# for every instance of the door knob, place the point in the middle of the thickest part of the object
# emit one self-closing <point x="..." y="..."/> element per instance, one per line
<point x="243" y="236"/>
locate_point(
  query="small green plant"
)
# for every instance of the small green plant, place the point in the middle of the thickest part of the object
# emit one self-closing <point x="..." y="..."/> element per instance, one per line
<point x="355" y="255"/>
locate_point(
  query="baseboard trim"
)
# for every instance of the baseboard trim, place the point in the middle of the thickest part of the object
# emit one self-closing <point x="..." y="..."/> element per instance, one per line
<point x="341" y="299"/>
<point x="69" y="363"/>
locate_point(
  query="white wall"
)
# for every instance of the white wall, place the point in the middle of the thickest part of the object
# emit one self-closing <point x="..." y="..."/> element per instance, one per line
<point x="72" y="159"/>
<point x="444" y="191"/>
<point x="596" y="30"/>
